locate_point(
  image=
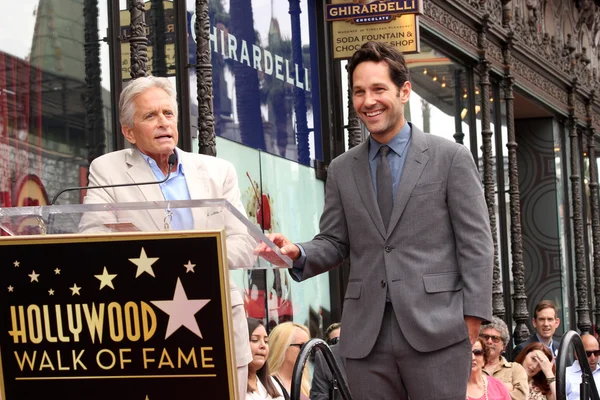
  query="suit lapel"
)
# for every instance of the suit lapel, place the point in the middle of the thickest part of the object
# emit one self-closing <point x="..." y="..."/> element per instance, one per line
<point x="196" y="178"/>
<point x="364" y="183"/>
<point x="139" y="171"/>
<point x="415" y="163"/>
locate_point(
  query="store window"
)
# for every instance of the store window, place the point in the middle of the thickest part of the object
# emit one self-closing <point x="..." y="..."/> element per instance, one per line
<point x="55" y="107"/>
<point x="265" y="121"/>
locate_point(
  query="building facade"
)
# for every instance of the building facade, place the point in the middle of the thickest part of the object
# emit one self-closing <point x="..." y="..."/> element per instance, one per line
<point x="513" y="80"/>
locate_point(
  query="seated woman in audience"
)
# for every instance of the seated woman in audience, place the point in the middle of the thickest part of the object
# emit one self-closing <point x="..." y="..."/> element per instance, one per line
<point x="481" y="386"/>
<point x="539" y="365"/>
<point x="260" y="384"/>
<point x="286" y="340"/>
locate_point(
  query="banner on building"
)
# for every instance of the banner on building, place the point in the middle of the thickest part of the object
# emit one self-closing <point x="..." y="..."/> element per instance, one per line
<point x="120" y="316"/>
<point x="355" y="22"/>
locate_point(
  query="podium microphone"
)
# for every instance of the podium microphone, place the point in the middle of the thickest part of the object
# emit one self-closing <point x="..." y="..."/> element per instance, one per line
<point x="172" y="161"/>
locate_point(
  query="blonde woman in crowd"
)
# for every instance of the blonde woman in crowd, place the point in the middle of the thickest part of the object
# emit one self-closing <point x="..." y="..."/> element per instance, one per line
<point x="261" y="385"/>
<point x="285" y="342"/>
<point x="539" y="365"/>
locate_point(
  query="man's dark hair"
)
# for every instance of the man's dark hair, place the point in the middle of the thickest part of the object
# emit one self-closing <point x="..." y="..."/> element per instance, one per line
<point x="381" y="52"/>
<point x="542" y="305"/>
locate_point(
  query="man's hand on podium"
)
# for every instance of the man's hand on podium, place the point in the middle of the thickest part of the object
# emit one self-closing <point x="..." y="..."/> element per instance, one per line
<point x="286" y="247"/>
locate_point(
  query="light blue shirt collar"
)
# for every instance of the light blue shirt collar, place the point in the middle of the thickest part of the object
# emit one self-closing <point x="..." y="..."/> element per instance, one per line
<point x="397" y="144"/>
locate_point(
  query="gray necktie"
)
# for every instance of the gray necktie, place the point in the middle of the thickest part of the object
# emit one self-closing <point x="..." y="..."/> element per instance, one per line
<point x="385" y="197"/>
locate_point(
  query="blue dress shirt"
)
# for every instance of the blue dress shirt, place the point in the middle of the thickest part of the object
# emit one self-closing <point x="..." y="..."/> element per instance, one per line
<point x="175" y="188"/>
<point x="573" y="380"/>
<point x="399" y="145"/>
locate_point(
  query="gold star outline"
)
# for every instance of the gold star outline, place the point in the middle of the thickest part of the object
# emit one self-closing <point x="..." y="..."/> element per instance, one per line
<point x="33" y="276"/>
<point x="144" y="264"/>
<point x="75" y="290"/>
<point x="106" y="279"/>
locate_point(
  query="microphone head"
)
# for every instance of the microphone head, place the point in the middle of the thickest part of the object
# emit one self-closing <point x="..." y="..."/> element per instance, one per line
<point x="172" y="159"/>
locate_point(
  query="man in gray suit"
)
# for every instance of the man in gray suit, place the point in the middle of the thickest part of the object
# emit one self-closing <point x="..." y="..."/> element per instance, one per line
<point x="421" y="253"/>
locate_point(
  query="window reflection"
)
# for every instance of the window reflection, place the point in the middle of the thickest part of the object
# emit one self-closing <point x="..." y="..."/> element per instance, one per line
<point x="438" y="103"/>
<point x="54" y="102"/>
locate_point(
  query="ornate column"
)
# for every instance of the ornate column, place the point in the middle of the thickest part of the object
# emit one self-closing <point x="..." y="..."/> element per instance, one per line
<point x="506" y="13"/>
<point x="206" y="120"/>
<point x="583" y="317"/>
<point x="520" y="313"/>
<point x="354" y="131"/>
<point x="299" y="94"/>
<point x="159" y="38"/>
<point x="488" y="166"/>
<point x="138" y="42"/>
<point x="459" y="136"/>
<point x="94" y="116"/>
<point x="594" y="206"/>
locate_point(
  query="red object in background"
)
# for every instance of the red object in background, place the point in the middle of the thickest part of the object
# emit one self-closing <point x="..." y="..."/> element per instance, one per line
<point x="263" y="212"/>
<point x="255" y="306"/>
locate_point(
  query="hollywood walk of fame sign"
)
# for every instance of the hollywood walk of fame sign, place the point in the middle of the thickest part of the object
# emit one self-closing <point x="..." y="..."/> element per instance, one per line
<point x="125" y="316"/>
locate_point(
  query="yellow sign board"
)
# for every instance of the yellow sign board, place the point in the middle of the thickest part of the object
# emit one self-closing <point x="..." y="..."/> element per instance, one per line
<point x="393" y="22"/>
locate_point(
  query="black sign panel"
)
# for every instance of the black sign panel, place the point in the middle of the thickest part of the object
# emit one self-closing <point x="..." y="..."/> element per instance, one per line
<point x="130" y="316"/>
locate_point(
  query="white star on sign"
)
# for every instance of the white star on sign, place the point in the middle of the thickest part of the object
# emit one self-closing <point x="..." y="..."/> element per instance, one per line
<point x="16" y="264"/>
<point x="11" y="289"/>
<point x="33" y="276"/>
<point x="51" y="292"/>
<point x="189" y="267"/>
<point x="106" y="279"/>
<point x="75" y="290"/>
<point x="57" y="271"/>
<point x="181" y="311"/>
<point x="144" y="263"/>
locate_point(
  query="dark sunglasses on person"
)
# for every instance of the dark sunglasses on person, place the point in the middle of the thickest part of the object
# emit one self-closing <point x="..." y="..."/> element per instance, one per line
<point x="594" y="352"/>
<point x="333" y="341"/>
<point x="477" y="352"/>
<point x="494" y="338"/>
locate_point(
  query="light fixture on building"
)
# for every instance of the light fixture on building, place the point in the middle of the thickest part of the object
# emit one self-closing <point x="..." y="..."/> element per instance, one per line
<point x="443" y="81"/>
<point x="425" y="71"/>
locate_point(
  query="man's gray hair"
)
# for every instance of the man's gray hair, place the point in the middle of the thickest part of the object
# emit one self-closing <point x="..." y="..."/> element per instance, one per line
<point x="499" y="325"/>
<point x="136" y="88"/>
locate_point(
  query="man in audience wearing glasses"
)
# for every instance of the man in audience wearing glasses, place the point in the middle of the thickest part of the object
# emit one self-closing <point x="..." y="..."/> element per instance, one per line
<point x="513" y="375"/>
<point x="573" y="374"/>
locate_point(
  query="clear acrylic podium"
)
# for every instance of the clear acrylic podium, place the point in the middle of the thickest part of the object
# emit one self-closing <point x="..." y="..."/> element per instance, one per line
<point x="152" y="216"/>
<point x="111" y="301"/>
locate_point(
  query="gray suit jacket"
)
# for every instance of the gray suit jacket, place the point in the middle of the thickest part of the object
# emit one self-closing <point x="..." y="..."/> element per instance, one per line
<point x="207" y="178"/>
<point x="436" y="258"/>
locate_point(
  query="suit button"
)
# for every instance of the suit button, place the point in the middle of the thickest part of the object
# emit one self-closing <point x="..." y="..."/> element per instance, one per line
<point x="382" y="283"/>
<point x="388" y="249"/>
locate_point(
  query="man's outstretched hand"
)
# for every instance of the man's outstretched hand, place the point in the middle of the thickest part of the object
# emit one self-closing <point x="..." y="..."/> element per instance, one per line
<point x="287" y="248"/>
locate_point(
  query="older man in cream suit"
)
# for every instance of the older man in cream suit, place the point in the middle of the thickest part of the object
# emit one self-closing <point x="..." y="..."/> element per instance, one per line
<point x="148" y="115"/>
<point x="408" y="210"/>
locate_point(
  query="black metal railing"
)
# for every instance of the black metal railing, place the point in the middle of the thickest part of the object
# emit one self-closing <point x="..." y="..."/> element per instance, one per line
<point x="339" y="383"/>
<point x="588" y="388"/>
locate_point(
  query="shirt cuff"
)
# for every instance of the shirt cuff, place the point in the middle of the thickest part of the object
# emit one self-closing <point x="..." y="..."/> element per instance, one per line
<point x="298" y="266"/>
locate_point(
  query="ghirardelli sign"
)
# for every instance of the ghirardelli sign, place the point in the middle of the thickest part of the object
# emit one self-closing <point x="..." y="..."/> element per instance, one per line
<point x="355" y="22"/>
<point x="125" y="316"/>
<point x="371" y="11"/>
